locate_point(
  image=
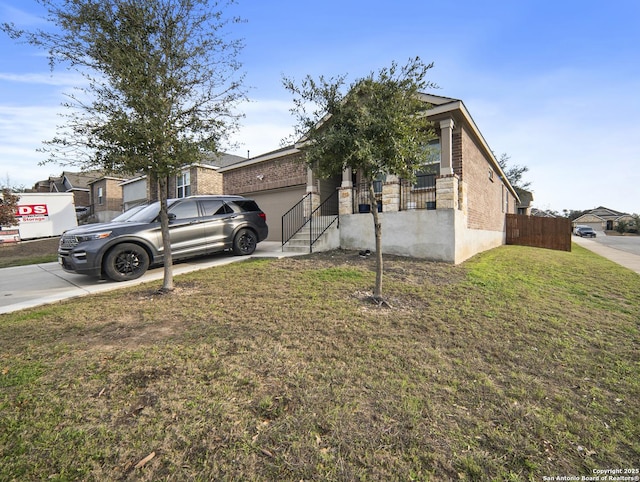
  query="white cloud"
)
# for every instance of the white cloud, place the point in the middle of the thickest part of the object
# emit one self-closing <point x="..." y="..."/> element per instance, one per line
<point x="55" y="79"/>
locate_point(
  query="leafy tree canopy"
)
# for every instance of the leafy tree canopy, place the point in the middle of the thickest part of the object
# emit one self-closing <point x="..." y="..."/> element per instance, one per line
<point x="160" y="82"/>
<point x="514" y="173"/>
<point x="376" y="126"/>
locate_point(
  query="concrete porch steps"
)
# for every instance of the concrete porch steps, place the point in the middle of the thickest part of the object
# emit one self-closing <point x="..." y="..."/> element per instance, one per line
<point x="330" y="239"/>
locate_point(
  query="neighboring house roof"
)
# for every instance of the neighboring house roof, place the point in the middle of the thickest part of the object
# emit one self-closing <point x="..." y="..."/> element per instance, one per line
<point x="526" y="197"/>
<point x="222" y="159"/>
<point x="106" y="178"/>
<point x="261" y="158"/>
<point x="605" y="213"/>
<point x="601" y="214"/>
<point x="73" y="181"/>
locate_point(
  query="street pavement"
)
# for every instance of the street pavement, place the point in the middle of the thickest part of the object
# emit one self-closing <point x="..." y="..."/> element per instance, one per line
<point x="623" y="250"/>
<point x="40" y="284"/>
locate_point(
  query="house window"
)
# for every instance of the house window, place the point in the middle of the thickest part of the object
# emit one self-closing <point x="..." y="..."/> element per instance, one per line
<point x="377" y="183"/>
<point x="426" y="175"/>
<point x="183" y="184"/>
<point x="100" y="195"/>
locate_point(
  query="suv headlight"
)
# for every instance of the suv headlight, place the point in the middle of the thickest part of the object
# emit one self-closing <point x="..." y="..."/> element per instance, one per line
<point x="83" y="238"/>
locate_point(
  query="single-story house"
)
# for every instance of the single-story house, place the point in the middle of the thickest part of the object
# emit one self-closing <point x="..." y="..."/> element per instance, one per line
<point x="455" y="209"/>
<point x="602" y="219"/>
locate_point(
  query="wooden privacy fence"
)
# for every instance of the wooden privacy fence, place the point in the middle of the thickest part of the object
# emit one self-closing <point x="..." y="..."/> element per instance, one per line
<point x="551" y="233"/>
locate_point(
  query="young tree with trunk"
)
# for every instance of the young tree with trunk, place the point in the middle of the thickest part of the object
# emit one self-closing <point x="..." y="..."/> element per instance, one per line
<point x="376" y="126"/>
<point x="161" y="85"/>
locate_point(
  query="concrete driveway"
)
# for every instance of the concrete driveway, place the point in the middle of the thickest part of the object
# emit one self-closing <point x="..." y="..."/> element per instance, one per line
<point x="624" y="250"/>
<point x="34" y="285"/>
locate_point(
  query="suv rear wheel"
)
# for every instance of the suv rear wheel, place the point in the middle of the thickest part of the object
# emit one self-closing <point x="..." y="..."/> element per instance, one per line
<point x="245" y="242"/>
<point x="125" y="262"/>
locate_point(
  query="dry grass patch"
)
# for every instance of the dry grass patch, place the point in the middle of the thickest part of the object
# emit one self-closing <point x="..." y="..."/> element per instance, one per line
<point x="519" y="364"/>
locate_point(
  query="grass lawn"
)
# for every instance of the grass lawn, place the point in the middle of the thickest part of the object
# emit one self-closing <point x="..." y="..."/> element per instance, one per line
<point x="519" y="364"/>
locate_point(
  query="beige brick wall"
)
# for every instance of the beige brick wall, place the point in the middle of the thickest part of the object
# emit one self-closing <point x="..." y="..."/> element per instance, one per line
<point x="273" y="174"/>
<point x="111" y="195"/>
<point x="206" y="181"/>
<point x="485" y="196"/>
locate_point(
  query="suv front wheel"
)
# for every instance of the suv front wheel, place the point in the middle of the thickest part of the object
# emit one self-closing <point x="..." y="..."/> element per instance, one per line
<point x="125" y="262"/>
<point x="245" y="242"/>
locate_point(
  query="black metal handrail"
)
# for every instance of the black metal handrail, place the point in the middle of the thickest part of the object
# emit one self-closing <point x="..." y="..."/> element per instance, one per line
<point x="294" y="219"/>
<point x="322" y="218"/>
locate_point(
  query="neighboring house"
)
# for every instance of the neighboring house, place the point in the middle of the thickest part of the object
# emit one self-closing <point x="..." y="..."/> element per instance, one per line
<point x="526" y="201"/>
<point x="602" y="219"/>
<point x="455" y="209"/>
<point x="106" y="199"/>
<point x="194" y="179"/>
<point x="75" y="182"/>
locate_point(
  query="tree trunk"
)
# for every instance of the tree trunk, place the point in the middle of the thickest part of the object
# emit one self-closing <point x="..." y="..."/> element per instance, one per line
<point x="167" y="284"/>
<point x="377" y="292"/>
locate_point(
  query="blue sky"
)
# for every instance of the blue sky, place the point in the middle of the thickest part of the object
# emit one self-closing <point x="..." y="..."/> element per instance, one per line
<point x="554" y="84"/>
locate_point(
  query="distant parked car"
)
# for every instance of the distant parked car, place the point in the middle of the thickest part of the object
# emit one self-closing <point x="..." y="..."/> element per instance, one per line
<point x="585" y="232"/>
<point x="198" y="225"/>
<point x="82" y="211"/>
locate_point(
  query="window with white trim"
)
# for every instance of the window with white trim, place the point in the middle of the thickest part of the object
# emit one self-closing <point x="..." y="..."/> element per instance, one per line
<point x="100" y="195"/>
<point x="183" y="184"/>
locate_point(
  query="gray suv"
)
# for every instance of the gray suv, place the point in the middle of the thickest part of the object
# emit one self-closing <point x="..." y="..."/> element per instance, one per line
<point x="199" y="225"/>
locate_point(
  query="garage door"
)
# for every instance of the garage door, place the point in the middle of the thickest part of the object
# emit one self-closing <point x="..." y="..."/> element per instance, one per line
<point x="275" y="203"/>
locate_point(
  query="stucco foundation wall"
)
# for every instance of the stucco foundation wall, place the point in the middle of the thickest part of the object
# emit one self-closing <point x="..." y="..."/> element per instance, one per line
<point x="419" y="234"/>
<point x="470" y="242"/>
<point x="439" y="235"/>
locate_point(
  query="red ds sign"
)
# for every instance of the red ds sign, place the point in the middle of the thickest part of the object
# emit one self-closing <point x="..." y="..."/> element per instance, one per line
<point x="32" y="210"/>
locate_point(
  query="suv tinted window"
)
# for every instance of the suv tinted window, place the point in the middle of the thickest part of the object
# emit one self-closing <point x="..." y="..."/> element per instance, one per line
<point x="185" y="210"/>
<point x="214" y="206"/>
<point x="247" y="205"/>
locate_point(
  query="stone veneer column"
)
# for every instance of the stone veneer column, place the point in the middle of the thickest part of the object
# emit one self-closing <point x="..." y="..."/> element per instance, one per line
<point x="312" y="189"/>
<point x="391" y="194"/>
<point x="446" y="147"/>
<point x="345" y="193"/>
<point x="447" y="192"/>
<point x="462" y="196"/>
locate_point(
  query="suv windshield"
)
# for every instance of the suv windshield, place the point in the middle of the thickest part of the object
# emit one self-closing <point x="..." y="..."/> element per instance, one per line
<point x="146" y="215"/>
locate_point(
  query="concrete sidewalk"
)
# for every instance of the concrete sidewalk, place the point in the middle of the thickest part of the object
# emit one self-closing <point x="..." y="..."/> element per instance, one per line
<point x="623" y="258"/>
<point x="34" y="285"/>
